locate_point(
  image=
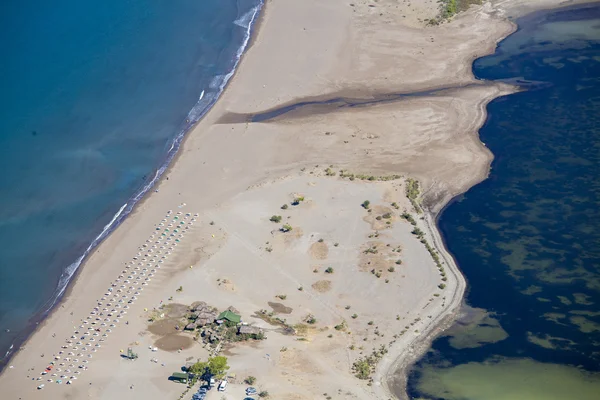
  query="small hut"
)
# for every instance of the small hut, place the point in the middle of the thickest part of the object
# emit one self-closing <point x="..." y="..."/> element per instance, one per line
<point x="249" y="330"/>
<point x="190" y="327"/>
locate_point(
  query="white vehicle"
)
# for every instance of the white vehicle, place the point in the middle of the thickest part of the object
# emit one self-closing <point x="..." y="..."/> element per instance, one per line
<point x="222" y="386"/>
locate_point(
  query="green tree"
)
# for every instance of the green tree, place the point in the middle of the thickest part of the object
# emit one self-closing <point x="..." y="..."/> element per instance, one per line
<point x="199" y="369"/>
<point x="217" y="366"/>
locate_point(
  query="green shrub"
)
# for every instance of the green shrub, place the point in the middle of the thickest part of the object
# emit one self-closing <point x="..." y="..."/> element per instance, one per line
<point x="412" y="190"/>
<point x="298" y="200"/>
<point x="362" y="369"/>
<point x="418" y="232"/>
<point x="275" y="218"/>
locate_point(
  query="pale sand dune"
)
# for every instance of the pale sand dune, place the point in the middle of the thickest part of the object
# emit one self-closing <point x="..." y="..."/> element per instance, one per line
<point x="303" y="49"/>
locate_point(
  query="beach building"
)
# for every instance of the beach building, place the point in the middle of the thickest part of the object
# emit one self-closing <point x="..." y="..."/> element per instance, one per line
<point x="249" y="330"/>
<point x="229" y="316"/>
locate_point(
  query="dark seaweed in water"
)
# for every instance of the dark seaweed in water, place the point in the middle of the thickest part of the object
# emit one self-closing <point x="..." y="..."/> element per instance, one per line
<point x="527" y="239"/>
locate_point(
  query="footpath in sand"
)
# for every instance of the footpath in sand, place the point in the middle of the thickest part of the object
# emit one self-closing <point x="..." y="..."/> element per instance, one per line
<point x="230" y="172"/>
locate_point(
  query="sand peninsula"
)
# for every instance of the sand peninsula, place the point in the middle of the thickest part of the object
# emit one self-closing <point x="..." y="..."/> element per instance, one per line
<point x="304" y="202"/>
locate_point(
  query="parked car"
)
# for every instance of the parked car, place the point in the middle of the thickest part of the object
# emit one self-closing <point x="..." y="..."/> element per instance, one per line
<point x="251" y="391"/>
<point x="222" y="385"/>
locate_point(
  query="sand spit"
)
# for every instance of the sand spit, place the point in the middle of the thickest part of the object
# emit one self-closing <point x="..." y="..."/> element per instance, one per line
<point x="334" y="308"/>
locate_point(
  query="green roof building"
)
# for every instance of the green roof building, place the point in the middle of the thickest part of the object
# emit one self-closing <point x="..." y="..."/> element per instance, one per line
<point x="230" y="316"/>
<point x="180" y="376"/>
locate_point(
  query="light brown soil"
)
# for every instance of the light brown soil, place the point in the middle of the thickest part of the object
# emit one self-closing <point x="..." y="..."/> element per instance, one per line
<point x="322" y="286"/>
<point x="380" y="261"/>
<point x="280" y="308"/>
<point x="175" y="310"/>
<point x="164" y="327"/>
<point x="174" y="342"/>
<point x="319" y="251"/>
<point x="379" y="211"/>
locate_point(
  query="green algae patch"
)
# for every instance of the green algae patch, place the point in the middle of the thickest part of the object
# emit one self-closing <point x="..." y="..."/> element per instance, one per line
<point x="565" y="300"/>
<point x="544" y="300"/>
<point x="509" y="379"/>
<point x="585" y="325"/>
<point x="583" y="299"/>
<point x="586" y="313"/>
<point x="533" y="289"/>
<point x="540" y="341"/>
<point x="555" y="317"/>
<point x="475" y="330"/>
<point x="550" y="342"/>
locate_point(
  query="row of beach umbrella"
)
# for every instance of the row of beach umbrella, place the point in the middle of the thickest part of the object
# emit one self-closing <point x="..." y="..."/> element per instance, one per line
<point x="77" y="351"/>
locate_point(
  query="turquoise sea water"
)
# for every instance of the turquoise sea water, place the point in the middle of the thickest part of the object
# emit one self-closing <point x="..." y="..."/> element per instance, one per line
<point x="528" y="238"/>
<point x="95" y="99"/>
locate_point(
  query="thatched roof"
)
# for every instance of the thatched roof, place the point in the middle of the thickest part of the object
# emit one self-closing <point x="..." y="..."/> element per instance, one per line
<point x="206" y="314"/>
<point x="198" y="305"/>
<point x="191" y="327"/>
<point x="233" y="310"/>
<point x="248" y="329"/>
<point x="204" y="321"/>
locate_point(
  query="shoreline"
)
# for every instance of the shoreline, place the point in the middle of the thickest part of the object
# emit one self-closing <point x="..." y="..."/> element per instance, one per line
<point x="394" y="377"/>
<point x="135" y="201"/>
<point x="203" y="133"/>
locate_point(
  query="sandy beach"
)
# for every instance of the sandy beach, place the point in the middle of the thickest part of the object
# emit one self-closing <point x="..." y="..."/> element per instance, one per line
<point x="348" y="280"/>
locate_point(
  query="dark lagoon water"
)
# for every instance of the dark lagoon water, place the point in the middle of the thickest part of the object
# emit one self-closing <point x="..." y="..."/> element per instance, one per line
<point x="528" y="238"/>
<point x="96" y="97"/>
